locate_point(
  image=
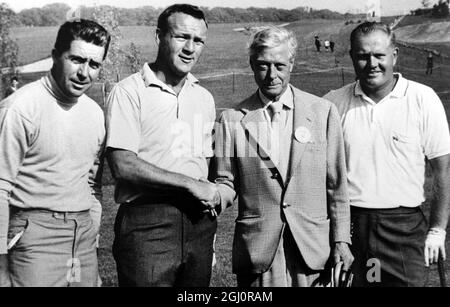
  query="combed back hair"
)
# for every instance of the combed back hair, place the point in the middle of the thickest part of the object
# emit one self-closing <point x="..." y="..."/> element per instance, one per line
<point x="188" y="9"/>
<point x="270" y="37"/>
<point x="82" y="29"/>
<point x="14" y="78"/>
<point x="369" y="27"/>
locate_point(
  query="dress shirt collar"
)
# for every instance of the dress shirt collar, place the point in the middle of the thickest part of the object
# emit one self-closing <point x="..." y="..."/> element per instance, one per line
<point x="287" y="99"/>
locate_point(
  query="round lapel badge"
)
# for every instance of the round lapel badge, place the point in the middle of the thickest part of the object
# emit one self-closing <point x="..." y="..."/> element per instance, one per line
<point x="303" y="135"/>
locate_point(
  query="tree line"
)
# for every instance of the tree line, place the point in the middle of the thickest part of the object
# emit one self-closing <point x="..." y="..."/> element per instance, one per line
<point x="439" y="10"/>
<point x="55" y="14"/>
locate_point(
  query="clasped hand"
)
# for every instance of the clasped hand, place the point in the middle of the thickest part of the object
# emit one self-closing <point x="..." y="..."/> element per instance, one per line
<point x="208" y="195"/>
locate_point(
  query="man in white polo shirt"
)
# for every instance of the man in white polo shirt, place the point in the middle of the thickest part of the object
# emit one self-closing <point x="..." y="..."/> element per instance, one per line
<point x="391" y="126"/>
<point x="159" y="141"/>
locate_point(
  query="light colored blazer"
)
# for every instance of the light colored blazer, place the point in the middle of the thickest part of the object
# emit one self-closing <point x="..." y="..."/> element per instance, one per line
<point x="313" y="197"/>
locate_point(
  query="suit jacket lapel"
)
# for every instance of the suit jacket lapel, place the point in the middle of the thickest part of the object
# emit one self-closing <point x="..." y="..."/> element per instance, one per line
<point x="255" y="122"/>
<point x="302" y="120"/>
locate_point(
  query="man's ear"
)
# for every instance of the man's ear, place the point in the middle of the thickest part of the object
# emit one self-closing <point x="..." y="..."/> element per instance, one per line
<point x="55" y="54"/>
<point x="395" y="53"/>
<point x="158" y="33"/>
<point x="292" y="62"/>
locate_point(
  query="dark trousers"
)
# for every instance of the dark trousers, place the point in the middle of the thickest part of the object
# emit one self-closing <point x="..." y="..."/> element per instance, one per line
<point x="388" y="246"/>
<point x="163" y="243"/>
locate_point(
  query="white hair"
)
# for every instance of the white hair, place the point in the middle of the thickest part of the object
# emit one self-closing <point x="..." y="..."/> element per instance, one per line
<point x="270" y="37"/>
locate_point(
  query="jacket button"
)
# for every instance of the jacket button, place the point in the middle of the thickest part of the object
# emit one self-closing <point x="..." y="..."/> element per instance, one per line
<point x="274" y="176"/>
<point x="286" y="205"/>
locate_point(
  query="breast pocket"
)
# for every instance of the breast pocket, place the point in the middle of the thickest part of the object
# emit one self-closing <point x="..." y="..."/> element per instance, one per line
<point x="406" y="144"/>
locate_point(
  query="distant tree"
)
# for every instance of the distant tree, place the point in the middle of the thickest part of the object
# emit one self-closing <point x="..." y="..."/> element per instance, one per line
<point x="8" y="47"/>
<point x="31" y="17"/>
<point x="150" y="16"/>
<point x="50" y="15"/>
<point x="441" y="10"/>
<point x="54" y="14"/>
<point x="108" y="17"/>
<point x="134" y="58"/>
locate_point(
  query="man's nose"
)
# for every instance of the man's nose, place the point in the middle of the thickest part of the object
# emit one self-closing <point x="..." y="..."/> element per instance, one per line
<point x="189" y="46"/>
<point x="272" y="73"/>
<point x="372" y="61"/>
<point x="83" y="70"/>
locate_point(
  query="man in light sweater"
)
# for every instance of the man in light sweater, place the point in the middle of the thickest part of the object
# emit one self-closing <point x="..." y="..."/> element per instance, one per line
<point x="52" y="136"/>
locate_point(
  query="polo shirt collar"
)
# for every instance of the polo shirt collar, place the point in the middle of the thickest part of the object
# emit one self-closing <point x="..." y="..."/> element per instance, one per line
<point x="287" y="99"/>
<point x="398" y="91"/>
<point x="150" y="78"/>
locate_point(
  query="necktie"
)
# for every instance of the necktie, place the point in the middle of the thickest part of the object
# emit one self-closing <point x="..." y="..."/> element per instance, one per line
<point x="276" y="108"/>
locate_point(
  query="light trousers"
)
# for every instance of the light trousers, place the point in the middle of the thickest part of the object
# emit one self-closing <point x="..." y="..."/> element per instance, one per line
<point x="54" y="250"/>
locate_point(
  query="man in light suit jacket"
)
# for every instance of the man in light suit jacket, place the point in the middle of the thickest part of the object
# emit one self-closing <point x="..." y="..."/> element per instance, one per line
<point x="281" y="152"/>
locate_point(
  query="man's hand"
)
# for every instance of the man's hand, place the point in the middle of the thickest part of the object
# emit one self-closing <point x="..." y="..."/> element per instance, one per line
<point x="341" y="253"/>
<point x="5" y="280"/>
<point x="343" y="260"/>
<point x="202" y="190"/>
<point x="434" y="244"/>
<point x="212" y="204"/>
<point x="207" y="193"/>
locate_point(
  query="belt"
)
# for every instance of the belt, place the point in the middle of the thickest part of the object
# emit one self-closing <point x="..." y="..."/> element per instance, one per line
<point x="44" y="212"/>
<point x="174" y="198"/>
<point x="397" y="210"/>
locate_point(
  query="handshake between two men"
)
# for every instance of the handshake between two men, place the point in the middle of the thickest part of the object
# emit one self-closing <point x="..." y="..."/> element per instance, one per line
<point x="208" y="195"/>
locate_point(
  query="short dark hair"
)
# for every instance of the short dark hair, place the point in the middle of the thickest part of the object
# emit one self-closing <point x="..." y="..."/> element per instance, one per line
<point x="14" y="78"/>
<point x="187" y="9"/>
<point x="370" y="27"/>
<point x="83" y="29"/>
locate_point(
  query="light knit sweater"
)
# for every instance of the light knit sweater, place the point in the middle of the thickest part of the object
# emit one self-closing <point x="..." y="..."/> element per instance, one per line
<point x="50" y="148"/>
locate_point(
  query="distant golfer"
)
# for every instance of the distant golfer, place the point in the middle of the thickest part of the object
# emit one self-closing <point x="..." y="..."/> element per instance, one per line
<point x="392" y="126"/>
<point x="51" y="137"/>
<point x="317" y="43"/>
<point x="332" y="44"/>
<point x="429" y="70"/>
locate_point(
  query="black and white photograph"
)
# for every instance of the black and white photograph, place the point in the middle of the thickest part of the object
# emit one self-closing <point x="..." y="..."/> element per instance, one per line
<point x="229" y="146"/>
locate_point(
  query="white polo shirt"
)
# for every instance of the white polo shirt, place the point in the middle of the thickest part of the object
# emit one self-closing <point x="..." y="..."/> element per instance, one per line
<point x="386" y="143"/>
<point x="170" y="131"/>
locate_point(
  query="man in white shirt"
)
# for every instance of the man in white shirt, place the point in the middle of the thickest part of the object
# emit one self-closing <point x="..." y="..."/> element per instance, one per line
<point x="391" y="125"/>
<point x="159" y="123"/>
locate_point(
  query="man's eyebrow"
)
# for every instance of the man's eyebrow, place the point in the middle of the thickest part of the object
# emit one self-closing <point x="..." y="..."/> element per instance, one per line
<point x="95" y="62"/>
<point x="77" y="57"/>
<point x="83" y="59"/>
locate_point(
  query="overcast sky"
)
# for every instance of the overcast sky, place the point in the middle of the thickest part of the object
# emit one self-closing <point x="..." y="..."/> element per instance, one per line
<point x="388" y="7"/>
